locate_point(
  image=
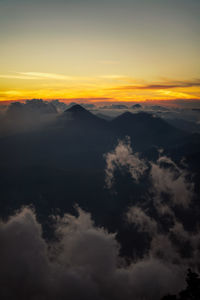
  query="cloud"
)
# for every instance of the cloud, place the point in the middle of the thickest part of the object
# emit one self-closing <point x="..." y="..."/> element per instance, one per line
<point x="88" y="105"/>
<point x="60" y="106"/>
<point x="23" y="256"/>
<point x="176" y="245"/>
<point x="30" y="108"/>
<point x="136" y="106"/>
<point x="27" y="116"/>
<point x="156" y="215"/>
<point x="42" y="76"/>
<point x="4" y="76"/>
<point x="35" y="76"/>
<point x="167" y="177"/>
<point x="172" y="244"/>
<point x="81" y="100"/>
<point x="158" y="108"/>
<point x="143" y="222"/>
<point x="123" y="157"/>
<point x="115" y="106"/>
<point x="83" y="263"/>
<point x="120" y="77"/>
<point x="161" y="86"/>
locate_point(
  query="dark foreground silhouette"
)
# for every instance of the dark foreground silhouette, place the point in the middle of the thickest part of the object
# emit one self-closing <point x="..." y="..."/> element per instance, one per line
<point x="191" y="292"/>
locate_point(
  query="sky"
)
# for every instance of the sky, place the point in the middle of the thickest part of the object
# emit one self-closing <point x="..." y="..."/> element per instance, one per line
<point x="101" y="51"/>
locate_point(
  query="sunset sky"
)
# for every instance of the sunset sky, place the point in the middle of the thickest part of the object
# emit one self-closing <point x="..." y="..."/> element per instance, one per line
<point x="108" y="50"/>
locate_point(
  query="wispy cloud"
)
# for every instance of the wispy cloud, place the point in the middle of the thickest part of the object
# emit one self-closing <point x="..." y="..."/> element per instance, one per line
<point x="4" y="76"/>
<point x="160" y="86"/>
<point x="41" y="76"/>
<point x="90" y="99"/>
<point x="114" y="76"/>
<point x="62" y="77"/>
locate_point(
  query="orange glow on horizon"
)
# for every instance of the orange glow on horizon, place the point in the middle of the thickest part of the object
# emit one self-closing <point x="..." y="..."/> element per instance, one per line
<point x="102" y="89"/>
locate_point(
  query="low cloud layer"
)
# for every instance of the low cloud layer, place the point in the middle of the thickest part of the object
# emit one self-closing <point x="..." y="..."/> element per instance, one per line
<point x="24" y="116"/>
<point x="83" y="263"/>
<point x="35" y="113"/>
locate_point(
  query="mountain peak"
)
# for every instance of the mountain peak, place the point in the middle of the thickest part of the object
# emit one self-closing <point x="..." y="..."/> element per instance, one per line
<point x="140" y="116"/>
<point x="78" y="111"/>
<point x="79" y="114"/>
<point x="76" y="108"/>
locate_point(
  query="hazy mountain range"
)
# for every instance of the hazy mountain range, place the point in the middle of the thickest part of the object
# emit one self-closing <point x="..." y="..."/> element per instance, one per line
<point x="149" y="199"/>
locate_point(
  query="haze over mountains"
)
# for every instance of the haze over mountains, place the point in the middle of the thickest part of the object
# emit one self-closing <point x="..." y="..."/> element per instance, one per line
<point x="76" y="140"/>
<point x="77" y="162"/>
<point x="77" y="132"/>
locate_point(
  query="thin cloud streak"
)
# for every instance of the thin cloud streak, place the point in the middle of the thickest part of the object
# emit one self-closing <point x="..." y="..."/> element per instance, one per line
<point x="179" y="84"/>
<point x="55" y="76"/>
<point x="42" y="76"/>
<point x="3" y="76"/>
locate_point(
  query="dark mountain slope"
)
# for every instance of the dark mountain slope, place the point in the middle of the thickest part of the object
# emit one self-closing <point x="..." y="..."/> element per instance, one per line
<point x="77" y="116"/>
<point x="146" y="130"/>
<point x="78" y="139"/>
<point x="182" y="124"/>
